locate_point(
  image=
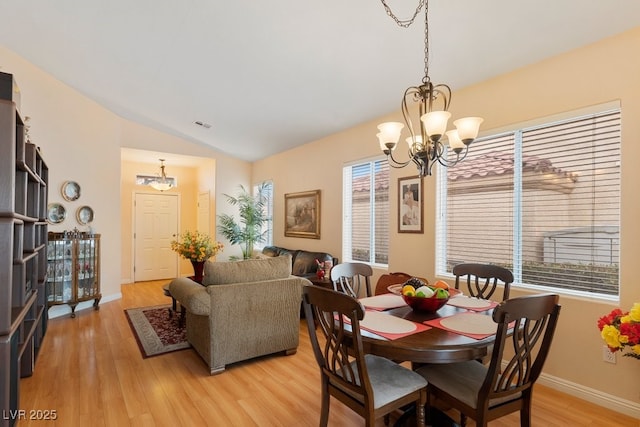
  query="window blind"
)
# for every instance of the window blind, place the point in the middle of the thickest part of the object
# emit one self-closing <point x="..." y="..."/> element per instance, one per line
<point x="542" y="201"/>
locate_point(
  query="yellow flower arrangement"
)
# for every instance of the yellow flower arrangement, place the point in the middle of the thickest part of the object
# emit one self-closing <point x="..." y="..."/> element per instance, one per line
<point x="196" y="246"/>
<point x="621" y="330"/>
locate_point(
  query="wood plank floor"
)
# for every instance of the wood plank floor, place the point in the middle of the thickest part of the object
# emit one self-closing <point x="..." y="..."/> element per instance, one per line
<point x="90" y="371"/>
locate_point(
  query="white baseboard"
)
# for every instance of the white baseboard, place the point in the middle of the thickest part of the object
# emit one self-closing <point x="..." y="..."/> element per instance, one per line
<point x="62" y="310"/>
<point x="594" y="396"/>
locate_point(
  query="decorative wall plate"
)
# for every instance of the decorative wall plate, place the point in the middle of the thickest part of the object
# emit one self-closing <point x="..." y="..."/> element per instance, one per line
<point x="84" y="215"/>
<point x="56" y="213"/>
<point x="71" y="191"/>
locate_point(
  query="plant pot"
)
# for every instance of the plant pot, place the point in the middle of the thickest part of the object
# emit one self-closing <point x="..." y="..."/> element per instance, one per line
<point x="198" y="271"/>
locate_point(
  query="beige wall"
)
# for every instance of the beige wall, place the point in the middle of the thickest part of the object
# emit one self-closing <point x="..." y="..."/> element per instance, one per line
<point x="81" y="141"/>
<point x="599" y="73"/>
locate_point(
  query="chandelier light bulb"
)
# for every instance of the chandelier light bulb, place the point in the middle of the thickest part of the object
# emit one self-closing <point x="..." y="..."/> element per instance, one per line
<point x="415" y="143"/>
<point x="455" y="142"/>
<point x="468" y="128"/>
<point x="435" y="123"/>
<point x="389" y="132"/>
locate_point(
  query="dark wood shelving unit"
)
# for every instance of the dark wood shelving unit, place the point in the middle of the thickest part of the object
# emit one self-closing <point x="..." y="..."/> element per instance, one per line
<point x="23" y="245"/>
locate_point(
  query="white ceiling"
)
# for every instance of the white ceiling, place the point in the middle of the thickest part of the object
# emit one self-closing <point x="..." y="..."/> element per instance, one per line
<point x="270" y="75"/>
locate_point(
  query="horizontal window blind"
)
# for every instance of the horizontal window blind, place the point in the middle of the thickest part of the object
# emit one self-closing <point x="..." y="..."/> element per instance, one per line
<point x="366" y="212"/>
<point x="543" y="202"/>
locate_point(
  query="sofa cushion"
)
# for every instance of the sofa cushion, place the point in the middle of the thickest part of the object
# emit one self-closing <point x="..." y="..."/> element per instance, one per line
<point x="250" y="270"/>
<point x="305" y="262"/>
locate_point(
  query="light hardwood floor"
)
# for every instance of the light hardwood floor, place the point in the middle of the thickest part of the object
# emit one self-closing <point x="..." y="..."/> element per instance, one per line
<point x="90" y="371"/>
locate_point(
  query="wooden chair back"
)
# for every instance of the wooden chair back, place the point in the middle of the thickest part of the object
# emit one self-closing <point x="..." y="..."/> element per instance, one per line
<point x="525" y="330"/>
<point x="350" y="277"/>
<point x="482" y="279"/>
<point x="535" y="317"/>
<point x="344" y="367"/>
<point x="389" y="279"/>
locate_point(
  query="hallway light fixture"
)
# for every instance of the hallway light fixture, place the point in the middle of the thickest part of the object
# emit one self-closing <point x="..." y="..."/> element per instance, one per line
<point x="162" y="183"/>
<point x="428" y="145"/>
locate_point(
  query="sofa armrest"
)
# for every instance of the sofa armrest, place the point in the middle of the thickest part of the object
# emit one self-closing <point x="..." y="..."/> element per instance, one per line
<point x="191" y="295"/>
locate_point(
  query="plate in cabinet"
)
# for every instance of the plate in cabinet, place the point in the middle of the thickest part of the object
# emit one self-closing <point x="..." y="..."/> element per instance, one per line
<point x="71" y="191"/>
<point x="56" y="213"/>
<point x="84" y="215"/>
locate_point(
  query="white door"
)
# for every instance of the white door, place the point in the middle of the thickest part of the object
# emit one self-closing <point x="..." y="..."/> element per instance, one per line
<point x="155" y="226"/>
<point x="203" y="213"/>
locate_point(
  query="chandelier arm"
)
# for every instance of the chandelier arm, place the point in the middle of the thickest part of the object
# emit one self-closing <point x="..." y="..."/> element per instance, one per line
<point x="396" y="164"/>
<point x="442" y="91"/>
<point x="450" y="163"/>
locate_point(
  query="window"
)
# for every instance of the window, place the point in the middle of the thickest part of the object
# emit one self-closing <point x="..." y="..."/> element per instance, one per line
<point x="543" y="201"/>
<point x="266" y="190"/>
<point x="366" y="212"/>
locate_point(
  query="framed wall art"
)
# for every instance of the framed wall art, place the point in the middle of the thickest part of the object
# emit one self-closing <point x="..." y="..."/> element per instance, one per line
<point x="302" y="214"/>
<point x="410" y="205"/>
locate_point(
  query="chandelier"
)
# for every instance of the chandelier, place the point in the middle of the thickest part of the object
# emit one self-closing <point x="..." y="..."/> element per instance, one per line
<point x="162" y="183"/>
<point x="429" y="144"/>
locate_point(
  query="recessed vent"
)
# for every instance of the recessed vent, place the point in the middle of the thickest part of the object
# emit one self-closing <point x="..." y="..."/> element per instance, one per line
<point x="203" y="124"/>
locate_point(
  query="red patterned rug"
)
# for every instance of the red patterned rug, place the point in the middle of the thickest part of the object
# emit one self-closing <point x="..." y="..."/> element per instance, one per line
<point x="156" y="332"/>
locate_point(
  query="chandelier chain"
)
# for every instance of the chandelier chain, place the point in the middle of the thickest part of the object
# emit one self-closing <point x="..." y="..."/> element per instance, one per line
<point x="405" y="23"/>
<point x="425" y="79"/>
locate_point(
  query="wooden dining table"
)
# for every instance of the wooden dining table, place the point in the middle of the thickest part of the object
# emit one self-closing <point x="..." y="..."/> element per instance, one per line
<point x="434" y="345"/>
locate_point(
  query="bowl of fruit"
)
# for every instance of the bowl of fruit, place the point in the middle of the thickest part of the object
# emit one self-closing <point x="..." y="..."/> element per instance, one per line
<point x="423" y="297"/>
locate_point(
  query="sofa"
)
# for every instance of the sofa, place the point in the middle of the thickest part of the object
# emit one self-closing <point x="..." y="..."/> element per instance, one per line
<point x="303" y="262"/>
<point x="242" y="310"/>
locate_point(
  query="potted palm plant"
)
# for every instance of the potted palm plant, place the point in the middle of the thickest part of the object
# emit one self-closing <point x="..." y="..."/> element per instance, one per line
<point x="249" y="229"/>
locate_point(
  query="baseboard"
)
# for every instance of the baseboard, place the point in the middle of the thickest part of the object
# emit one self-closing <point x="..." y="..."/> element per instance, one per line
<point x="594" y="396"/>
<point x="62" y="310"/>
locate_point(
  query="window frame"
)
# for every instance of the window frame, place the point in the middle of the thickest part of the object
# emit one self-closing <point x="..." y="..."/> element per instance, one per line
<point x="347" y="211"/>
<point x="441" y="250"/>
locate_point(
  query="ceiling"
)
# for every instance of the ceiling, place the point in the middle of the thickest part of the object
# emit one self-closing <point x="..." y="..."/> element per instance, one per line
<point x="268" y="76"/>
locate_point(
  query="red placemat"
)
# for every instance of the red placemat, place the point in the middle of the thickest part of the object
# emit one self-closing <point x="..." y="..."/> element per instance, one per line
<point x="419" y="327"/>
<point x="436" y="323"/>
<point x="471" y="304"/>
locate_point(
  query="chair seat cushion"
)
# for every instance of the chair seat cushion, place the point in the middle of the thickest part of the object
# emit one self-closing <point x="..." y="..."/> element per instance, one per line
<point x="461" y="380"/>
<point x="389" y="380"/>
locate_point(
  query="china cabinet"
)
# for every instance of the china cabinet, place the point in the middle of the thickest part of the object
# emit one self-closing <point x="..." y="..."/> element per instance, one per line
<point x="23" y="244"/>
<point x="73" y="269"/>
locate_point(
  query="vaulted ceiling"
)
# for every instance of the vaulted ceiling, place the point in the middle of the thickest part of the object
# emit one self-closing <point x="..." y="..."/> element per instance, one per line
<point x="268" y="76"/>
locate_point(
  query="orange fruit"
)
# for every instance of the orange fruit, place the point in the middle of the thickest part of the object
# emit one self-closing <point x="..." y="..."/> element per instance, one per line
<point x="441" y="284"/>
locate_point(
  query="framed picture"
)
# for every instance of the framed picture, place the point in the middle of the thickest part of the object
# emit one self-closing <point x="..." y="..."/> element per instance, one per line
<point x="302" y="214"/>
<point x="410" y="205"/>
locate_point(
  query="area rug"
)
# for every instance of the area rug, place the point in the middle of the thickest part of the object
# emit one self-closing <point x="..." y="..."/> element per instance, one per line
<point x="156" y="332"/>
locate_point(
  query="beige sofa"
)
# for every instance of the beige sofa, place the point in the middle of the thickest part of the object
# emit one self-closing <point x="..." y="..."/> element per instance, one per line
<point x="244" y="309"/>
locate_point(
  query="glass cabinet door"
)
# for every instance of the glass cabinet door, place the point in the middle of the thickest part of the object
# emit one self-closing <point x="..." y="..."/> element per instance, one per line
<point x="60" y="270"/>
<point x="86" y="268"/>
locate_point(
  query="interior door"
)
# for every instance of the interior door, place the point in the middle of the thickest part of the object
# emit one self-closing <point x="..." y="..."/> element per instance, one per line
<point x="155" y="226"/>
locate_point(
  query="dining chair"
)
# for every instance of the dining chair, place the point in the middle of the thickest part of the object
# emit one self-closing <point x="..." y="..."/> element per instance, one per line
<point x="485" y="392"/>
<point x="350" y="277"/>
<point x="482" y="279"/>
<point x="389" y="279"/>
<point x="370" y="385"/>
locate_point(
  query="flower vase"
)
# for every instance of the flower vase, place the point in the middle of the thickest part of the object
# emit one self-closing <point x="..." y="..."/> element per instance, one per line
<point x="198" y="271"/>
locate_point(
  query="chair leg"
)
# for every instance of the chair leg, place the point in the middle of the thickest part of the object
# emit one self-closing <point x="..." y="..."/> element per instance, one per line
<point x="420" y="410"/>
<point x="324" y="410"/>
<point x="525" y="411"/>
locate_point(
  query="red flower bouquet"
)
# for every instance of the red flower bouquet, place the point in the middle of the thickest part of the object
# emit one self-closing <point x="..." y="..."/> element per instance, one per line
<point x="621" y="331"/>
